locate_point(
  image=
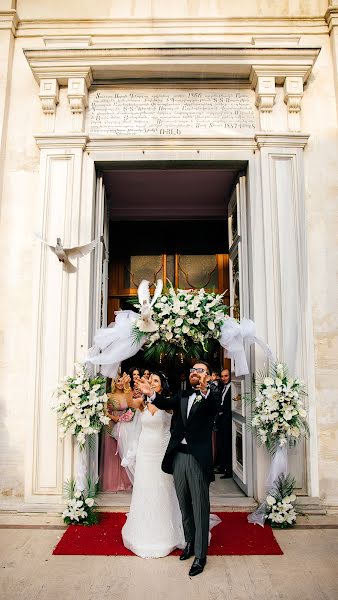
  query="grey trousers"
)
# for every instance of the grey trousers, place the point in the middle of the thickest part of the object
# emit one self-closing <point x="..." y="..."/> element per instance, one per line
<point x="192" y="489"/>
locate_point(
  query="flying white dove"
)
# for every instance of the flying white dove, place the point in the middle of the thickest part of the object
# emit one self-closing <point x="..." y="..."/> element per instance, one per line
<point x="64" y="254"/>
<point x="145" y="323"/>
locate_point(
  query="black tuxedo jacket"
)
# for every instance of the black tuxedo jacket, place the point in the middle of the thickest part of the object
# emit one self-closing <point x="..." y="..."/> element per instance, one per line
<point x="196" y="429"/>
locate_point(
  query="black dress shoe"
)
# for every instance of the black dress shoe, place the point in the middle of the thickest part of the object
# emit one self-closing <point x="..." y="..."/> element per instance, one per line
<point x="197" y="566"/>
<point x="188" y="551"/>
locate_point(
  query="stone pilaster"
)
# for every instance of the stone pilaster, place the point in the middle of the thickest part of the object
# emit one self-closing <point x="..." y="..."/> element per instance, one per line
<point x="331" y="17"/>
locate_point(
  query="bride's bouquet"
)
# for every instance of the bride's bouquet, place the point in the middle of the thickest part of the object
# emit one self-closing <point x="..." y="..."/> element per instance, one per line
<point x="278" y="409"/>
<point x="188" y="321"/>
<point x="81" y="402"/>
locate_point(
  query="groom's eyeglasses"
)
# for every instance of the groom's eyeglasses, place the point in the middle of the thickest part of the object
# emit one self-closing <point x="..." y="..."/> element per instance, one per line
<point x="198" y="370"/>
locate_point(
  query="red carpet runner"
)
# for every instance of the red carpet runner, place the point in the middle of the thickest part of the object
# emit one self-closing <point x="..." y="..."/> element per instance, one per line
<point x="234" y="536"/>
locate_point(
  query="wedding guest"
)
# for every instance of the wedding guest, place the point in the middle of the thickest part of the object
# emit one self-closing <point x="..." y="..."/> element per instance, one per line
<point x="224" y="428"/>
<point x="183" y="383"/>
<point x="135" y="375"/>
<point x="146" y="373"/>
<point x="113" y="477"/>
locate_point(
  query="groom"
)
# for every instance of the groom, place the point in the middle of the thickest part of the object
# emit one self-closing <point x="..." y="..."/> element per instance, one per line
<point x="189" y="457"/>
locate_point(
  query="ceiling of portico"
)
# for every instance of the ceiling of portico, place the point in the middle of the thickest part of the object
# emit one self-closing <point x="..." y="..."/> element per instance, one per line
<point x="168" y="192"/>
<point x="243" y="64"/>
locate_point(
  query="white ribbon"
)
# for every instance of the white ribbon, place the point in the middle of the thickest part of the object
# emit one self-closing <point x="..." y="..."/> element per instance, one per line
<point x="278" y="466"/>
<point x="114" y="344"/>
<point x="87" y="464"/>
<point x="232" y="339"/>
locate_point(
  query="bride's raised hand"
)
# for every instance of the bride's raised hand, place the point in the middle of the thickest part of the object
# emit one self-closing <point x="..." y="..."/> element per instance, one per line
<point x="144" y="387"/>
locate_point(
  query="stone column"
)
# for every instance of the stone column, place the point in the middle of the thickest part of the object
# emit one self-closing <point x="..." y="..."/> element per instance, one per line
<point x="288" y="306"/>
<point x="61" y="307"/>
<point x="8" y="25"/>
<point x="332" y="22"/>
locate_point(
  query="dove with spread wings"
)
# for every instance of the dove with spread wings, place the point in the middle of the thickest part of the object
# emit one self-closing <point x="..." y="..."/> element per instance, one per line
<point x="145" y="322"/>
<point x="64" y="254"/>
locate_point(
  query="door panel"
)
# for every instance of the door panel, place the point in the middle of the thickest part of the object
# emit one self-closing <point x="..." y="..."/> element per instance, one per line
<point x="239" y="307"/>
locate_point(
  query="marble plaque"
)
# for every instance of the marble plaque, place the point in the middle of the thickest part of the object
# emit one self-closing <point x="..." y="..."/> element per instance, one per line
<point x="171" y="112"/>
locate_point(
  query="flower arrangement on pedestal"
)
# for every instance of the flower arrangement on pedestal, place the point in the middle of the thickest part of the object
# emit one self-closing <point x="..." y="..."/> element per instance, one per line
<point x="81" y="506"/>
<point x="186" y="321"/>
<point x="279" y="421"/>
<point x="81" y="402"/>
<point x="278" y="409"/>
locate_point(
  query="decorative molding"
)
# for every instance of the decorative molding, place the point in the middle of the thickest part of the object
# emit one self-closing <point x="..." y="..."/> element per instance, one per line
<point x="78" y="101"/>
<point x="49" y="96"/>
<point x="331" y="16"/>
<point x="245" y="63"/>
<point x="108" y="144"/>
<point x="67" y="41"/>
<point x="281" y="140"/>
<point x="293" y="93"/>
<point x="265" y="99"/>
<point x="9" y="20"/>
<point x="59" y="141"/>
<point x="272" y="41"/>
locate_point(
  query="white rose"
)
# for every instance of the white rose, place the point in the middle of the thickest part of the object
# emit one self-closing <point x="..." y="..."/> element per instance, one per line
<point x="178" y="322"/>
<point x="268" y="381"/>
<point x="292" y="498"/>
<point x="196" y="321"/>
<point x="302" y="412"/>
<point x="77" y="494"/>
<point x="278" y="382"/>
<point x="169" y="335"/>
<point x="185" y="328"/>
<point x="211" y="325"/>
<point x="270" y="500"/>
<point x="89" y="502"/>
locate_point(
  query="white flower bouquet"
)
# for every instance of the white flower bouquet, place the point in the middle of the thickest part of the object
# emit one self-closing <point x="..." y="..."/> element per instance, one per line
<point x="278" y="409"/>
<point x="188" y="321"/>
<point x="279" y="508"/>
<point x="80" y="404"/>
<point x="81" y="505"/>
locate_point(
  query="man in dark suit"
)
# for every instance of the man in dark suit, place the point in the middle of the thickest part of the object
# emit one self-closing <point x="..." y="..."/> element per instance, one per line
<point x="223" y="428"/>
<point x="189" y="457"/>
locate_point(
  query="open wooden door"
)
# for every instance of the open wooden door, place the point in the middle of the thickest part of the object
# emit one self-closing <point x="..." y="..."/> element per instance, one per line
<point x="239" y="302"/>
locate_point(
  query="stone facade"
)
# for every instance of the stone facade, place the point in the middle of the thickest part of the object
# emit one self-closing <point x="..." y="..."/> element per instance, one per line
<point x="52" y="54"/>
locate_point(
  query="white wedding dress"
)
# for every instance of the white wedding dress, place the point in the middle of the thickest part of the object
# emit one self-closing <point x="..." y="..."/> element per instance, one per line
<point x="154" y="523"/>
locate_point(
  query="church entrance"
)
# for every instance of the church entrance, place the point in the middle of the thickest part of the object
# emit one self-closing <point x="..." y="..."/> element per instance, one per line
<point x="180" y="222"/>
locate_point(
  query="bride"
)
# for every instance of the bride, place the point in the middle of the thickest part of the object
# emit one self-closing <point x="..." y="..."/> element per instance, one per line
<point x="154" y="523"/>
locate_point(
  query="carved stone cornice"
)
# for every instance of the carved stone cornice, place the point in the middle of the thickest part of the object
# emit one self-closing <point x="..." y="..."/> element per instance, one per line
<point x="244" y="63"/>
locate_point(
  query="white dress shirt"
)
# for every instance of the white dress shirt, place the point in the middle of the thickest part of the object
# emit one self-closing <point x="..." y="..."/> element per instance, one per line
<point x="191" y="401"/>
<point x="224" y="393"/>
